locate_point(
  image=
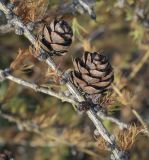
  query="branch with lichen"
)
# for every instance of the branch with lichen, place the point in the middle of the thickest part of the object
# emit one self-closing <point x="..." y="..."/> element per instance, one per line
<point x="20" y="28"/>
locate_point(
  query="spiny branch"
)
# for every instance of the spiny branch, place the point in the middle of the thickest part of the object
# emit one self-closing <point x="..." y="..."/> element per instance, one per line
<point x="17" y="23"/>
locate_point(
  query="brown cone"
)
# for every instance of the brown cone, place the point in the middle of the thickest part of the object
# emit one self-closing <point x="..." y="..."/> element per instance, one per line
<point x="57" y="37"/>
<point x="92" y="73"/>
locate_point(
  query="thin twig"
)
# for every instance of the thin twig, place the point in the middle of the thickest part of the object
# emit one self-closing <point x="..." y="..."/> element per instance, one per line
<point x="91" y="113"/>
<point x="37" y="88"/>
<point x="141" y="121"/>
<point x="121" y="125"/>
<point x="139" y="65"/>
<point x="121" y="96"/>
<point x="28" y="126"/>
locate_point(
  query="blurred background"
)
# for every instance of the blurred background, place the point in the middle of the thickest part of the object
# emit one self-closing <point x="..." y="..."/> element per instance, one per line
<point x="38" y="126"/>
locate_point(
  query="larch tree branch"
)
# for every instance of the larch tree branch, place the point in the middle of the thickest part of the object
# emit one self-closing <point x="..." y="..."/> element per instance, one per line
<point x="58" y="95"/>
<point x="17" y="23"/>
<point x="35" y="87"/>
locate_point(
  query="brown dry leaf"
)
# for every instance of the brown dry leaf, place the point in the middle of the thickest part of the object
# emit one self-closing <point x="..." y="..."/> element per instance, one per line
<point x="101" y="143"/>
<point x="127" y="138"/>
<point x="16" y="64"/>
<point x="107" y="100"/>
<point x="31" y="10"/>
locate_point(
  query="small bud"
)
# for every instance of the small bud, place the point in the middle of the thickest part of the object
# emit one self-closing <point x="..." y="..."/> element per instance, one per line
<point x="30" y="26"/>
<point x="67" y="93"/>
<point x="4" y="74"/>
<point x="96" y="132"/>
<point x="43" y="55"/>
<point x="7" y="71"/>
<point x="18" y="31"/>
